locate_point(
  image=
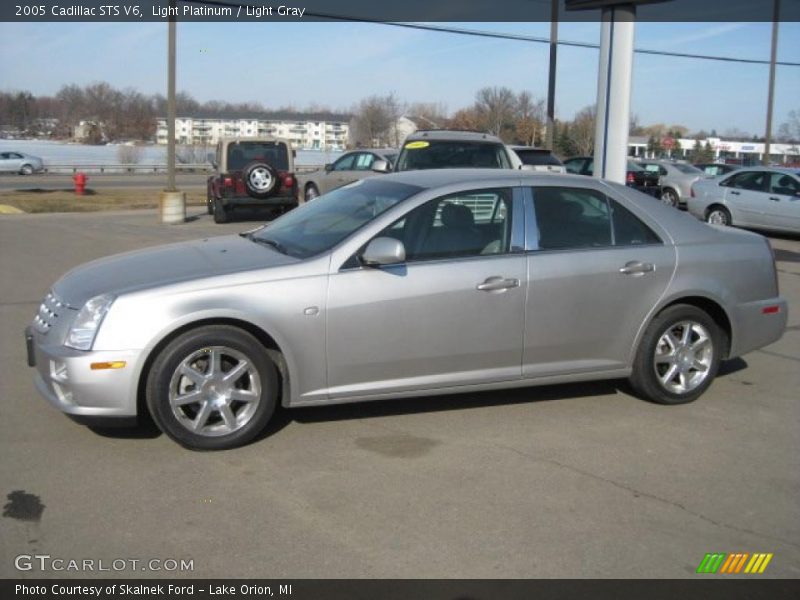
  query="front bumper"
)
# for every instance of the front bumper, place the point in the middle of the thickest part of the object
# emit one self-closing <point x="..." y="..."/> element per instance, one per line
<point x="65" y="378"/>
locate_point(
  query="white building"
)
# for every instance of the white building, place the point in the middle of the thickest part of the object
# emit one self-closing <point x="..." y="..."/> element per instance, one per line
<point x="746" y="152"/>
<point x="307" y="131"/>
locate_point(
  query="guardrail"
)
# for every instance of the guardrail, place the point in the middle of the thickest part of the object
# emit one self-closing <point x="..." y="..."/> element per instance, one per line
<point x="144" y="169"/>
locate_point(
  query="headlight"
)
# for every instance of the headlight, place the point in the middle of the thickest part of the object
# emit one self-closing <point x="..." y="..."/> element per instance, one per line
<point x="84" y="328"/>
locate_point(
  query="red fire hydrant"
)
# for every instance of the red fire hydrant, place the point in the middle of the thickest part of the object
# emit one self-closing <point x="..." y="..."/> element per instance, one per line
<point x="80" y="180"/>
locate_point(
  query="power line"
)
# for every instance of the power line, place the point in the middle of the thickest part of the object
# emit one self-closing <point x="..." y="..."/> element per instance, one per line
<point x="509" y="36"/>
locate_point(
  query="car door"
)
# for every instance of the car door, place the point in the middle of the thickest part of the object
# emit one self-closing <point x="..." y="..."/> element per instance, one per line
<point x="451" y="314"/>
<point x="782" y="208"/>
<point x="341" y="173"/>
<point x="595" y="271"/>
<point x="746" y="197"/>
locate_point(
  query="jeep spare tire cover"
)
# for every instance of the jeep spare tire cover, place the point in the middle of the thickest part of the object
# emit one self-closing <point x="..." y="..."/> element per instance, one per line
<point x="259" y="179"/>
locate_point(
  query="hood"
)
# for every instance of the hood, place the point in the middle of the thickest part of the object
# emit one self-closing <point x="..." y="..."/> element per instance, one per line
<point x="164" y="265"/>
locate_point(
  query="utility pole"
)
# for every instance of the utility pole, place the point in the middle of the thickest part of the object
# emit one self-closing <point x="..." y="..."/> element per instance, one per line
<point x="551" y="82"/>
<point x="776" y="13"/>
<point x="172" y="203"/>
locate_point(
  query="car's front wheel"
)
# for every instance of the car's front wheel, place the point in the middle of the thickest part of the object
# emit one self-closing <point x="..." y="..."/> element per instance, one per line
<point x="212" y="388"/>
<point x="26" y="170"/>
<point x="678" y="356"/>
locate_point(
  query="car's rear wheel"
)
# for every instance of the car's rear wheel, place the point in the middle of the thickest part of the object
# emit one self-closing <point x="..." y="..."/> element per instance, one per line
<point x="678" y="356"/>
<point x="260" y="179"/>
<point x="221" y="214"/>
<point x="212" y="388"/>
<point x="26" y="170"/>
<point x="311" y="192"/>
<point x="718" y="215"/>
<point x="669" y="196"/>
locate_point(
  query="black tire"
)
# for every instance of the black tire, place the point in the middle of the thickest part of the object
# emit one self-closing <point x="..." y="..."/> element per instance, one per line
<point x="221" y="214"/>
<point x="651" y="366"/>
<point x="26" y="170"/>
<point x="209" y="202"/>
<point x="248" y="417"/>
<point x="670" y="197"/>
<point x="311" y="192"/>
<point x="718" y="215"/>
<point x="260" y="179"/>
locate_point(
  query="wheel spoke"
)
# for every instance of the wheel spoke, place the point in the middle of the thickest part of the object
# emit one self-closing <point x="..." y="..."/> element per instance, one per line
<point x="215" y="363"/>
<point x="243" y="395"/>
<point x="202" y="416"/>
<point x="699" y="366"/>
<point x="670" y="374"/>
<point x="236" y="372"/>
<point x="188" y="398"/>
<point x="228" y="416"/>
<point x="682" y="379"/>
<point x="673" y="341"/>
<point x="687" y="333"/>
<point x="700" y="344"/>
<point x="191" y="373"/>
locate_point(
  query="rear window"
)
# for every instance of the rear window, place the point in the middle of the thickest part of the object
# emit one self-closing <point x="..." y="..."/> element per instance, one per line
<point x="537" y="157"/>
<point x="275" y="154"/>
<point x="440" y="154"/>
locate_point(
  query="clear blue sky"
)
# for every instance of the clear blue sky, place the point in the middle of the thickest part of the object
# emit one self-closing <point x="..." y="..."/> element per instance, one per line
<point x="336" y="64"/>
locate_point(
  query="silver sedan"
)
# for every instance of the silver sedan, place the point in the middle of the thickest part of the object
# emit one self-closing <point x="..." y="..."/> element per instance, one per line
<point x="350" y="167"/>
<point x="19" y="162"/>
<point x="412" y="284"/>
<point x="758" y="197"/>
<point x="675" y="178"/>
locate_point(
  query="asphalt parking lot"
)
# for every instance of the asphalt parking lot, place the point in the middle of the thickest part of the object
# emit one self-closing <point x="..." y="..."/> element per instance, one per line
<point x="560" y="481"/>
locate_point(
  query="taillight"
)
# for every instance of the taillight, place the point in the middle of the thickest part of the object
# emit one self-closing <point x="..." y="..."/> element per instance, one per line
<point x="227" y="182"/>
<point x="288" y="181"/>
<point x="630" y="178"/>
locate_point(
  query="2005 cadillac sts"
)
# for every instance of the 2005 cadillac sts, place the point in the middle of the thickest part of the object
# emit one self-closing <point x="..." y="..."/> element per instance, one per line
<point x="414" y="284"/>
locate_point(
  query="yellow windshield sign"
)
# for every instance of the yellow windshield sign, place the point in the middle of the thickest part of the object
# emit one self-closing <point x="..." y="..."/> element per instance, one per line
<point x="417" y="145"/>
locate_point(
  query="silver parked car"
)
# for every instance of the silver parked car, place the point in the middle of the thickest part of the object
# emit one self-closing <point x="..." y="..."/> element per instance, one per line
<point x="676" y="179"/>
<point x="759" y="197"/>
<point x="19" y="162"/>
<point x="411" y="284"/>
<point x="349" y="167"/>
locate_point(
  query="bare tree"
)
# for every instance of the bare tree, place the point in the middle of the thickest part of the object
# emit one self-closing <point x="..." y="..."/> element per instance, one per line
<point x="789" y="131"/>
<point x="582" y="130"/>
<point x="375" y="121"/>
<point x="529" y="122"/>
<point x="496" y="108"/>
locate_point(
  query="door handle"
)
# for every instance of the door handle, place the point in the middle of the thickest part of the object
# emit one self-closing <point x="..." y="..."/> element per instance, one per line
<point x="735" y="193"/>
<point x="497" y="284"/>
<point x="637" y="268"/>
<point x="774" y="198"/>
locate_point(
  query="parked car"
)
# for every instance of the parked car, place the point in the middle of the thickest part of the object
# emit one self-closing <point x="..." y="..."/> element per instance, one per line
<point x="763" y="198"/>
<point x="538" y="159"/>
<point x="716" y="169"/>
<point x="400" y="286"/>
<point x="675" y="179"/>
<point x="448" y="149"/>
<point x="349" y="167"/>
<point x="636" y="177"/>
<point x="19" y="162"/>
<point x="251" y="172"/>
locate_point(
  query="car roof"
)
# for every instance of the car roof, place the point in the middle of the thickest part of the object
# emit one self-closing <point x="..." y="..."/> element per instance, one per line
<point x="542" y="150"/>
<point x="261" y="138"/>
<point x="452" y="134"/>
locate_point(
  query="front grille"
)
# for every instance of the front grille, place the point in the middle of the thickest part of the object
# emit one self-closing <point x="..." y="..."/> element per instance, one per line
<point x="49" y="311"/>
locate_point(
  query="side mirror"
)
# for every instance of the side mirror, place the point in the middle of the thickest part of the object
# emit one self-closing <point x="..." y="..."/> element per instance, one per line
<point x="381" y="166"/>
<point x="328" y="167"/>
<point x="383" y="251"/>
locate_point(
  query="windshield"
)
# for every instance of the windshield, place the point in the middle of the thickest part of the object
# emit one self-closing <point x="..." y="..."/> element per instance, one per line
<point x="273" y="153"/>
<point x="440" y="154"/>
<point x="632" y="166"/>
<point x="319" y="225"/>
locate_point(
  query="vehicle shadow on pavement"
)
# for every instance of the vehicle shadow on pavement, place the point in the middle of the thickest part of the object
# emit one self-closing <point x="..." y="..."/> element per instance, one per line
<point x="147" y="429"/>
